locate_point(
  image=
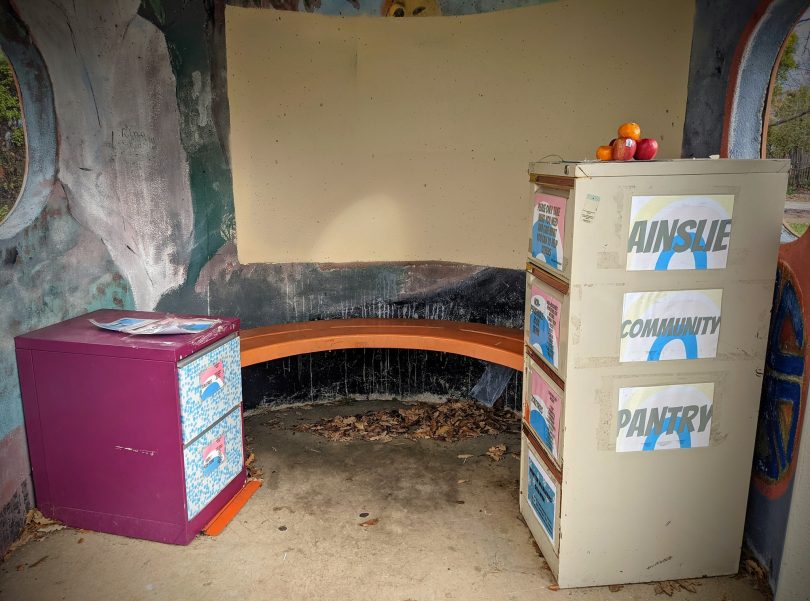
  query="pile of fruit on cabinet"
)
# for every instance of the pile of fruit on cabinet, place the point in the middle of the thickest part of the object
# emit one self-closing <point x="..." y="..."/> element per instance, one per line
<point x="648" y="295"/>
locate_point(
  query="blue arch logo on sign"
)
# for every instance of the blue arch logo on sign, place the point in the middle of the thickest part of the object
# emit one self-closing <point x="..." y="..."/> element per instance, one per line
<point x="655" y="418"/>
<point x="670" y="324"/>
<point x="673" y="232"/>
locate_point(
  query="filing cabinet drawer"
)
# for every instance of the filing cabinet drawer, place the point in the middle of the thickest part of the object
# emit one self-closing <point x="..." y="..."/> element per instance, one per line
<point x="212" y="460"/>
<point x="210" y="385"/>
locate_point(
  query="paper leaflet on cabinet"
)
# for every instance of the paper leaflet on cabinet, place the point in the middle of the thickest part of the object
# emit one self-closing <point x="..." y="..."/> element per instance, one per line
<point x="165" y="325"/>
<point x="654" y="418"/>
<point x="671" y="324"/>
<point x="542" y="495"/>
<point x="544" y="325"/>
<point x="548" y="229"/>
<point x="679" y="232"/>
<point x="543" y="410"/>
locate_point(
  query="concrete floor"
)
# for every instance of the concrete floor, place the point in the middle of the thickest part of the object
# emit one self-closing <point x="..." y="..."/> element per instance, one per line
<point x="299" y="537"/>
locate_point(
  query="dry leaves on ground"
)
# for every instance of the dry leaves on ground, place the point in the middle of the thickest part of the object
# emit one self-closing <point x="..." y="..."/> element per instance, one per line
<point x="36" y="527"/>
<point x="254" y="472"/>
<point x="496" y="453"/>
<point x="450" y="421"/>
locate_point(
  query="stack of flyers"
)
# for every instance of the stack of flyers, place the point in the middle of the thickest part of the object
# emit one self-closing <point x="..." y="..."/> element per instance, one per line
<point x="166" y="325"/>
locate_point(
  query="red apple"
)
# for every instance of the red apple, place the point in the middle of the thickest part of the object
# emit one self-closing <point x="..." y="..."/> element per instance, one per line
<point x="646" y="149"/>
<point x="623" y="149"/>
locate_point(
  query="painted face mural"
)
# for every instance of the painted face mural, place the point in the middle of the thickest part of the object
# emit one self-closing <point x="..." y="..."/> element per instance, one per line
<point x="410" y="8"/>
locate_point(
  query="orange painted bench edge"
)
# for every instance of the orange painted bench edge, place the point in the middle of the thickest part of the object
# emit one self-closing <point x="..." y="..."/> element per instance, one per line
<point x="496" y="344"/>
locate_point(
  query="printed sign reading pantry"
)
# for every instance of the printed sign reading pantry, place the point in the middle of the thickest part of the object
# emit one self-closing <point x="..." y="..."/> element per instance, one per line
<point x="679" y="232"/>
<point x="653" y="418"/>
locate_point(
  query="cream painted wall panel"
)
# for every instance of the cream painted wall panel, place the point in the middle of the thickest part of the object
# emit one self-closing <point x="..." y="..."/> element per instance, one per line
<point x="370" y="139"/>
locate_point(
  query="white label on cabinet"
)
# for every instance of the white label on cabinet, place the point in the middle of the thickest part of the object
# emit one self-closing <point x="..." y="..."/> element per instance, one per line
<point x="543" y="409"/>
<point x="679" y="232"/>
<point x="656" y="418"/>
<point x="548" y="229"/>
<point x="542" y="495"/>
<point x="666" y="325"/>
<point x="544" y="325"/>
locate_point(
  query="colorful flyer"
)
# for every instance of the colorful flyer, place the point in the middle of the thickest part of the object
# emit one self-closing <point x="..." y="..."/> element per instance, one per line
<point x="166" y="325"/>
<point x="542" y="411"/>
<point x="668" y="325"/>
<point x="212" y="379"/>
<point x="689" y="231"/>
<point x="657" y="418"/>
<point x="548" y="229"/>
<point x="542" y="495"/>
<point x="213" y="455"/>
<point x="544" y="325"/>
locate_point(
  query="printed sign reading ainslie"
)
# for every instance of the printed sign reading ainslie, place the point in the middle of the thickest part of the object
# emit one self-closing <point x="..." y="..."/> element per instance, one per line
<point x="542" y="495"/>
<point x="548" y="229"/>
<point x="544" y="326"/>
<point x="673" y="324"/>
<point x="679" y="232"/>
<point x="542" y="411"/>
<point x="654" y="418"/>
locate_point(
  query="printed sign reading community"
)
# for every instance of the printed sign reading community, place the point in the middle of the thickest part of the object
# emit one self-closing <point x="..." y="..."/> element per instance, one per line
<point x="654" y="418"/>
<point x="671" y="324"/>
<point x="679" y="232"/>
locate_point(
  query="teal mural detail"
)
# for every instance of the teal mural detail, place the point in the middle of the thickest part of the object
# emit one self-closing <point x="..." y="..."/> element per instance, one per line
<point x="195" y="39"/>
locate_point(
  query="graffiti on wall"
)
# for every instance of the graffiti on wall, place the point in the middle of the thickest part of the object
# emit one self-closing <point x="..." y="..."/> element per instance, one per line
<point x="138" y="213"/>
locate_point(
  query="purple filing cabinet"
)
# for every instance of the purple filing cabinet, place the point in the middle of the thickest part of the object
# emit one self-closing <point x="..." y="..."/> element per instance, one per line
<point x="133" y="435"/>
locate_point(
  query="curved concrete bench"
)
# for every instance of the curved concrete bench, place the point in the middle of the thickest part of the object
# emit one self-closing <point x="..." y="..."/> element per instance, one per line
<point x="503" y="346"/>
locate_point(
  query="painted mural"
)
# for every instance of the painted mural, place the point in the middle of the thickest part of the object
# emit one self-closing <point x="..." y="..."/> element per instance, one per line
<point x="782" y="409"/>
<point x="128" y="203"/>
<point x="391" y="8"/>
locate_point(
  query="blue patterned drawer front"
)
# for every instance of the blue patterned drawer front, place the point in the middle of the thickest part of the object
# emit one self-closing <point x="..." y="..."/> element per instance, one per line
<point x="210" y="385"/>
<point x="212" y="461"/>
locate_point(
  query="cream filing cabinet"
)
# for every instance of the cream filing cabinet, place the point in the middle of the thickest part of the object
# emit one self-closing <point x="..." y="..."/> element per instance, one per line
<point x="648" y="295"/>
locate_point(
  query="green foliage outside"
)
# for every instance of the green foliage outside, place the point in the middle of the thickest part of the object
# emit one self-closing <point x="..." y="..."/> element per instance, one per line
<point x="12" y="140"/>
<point x="786" y="65"/>
<point x="798" y="228"/>
<point x="789" y="125"/>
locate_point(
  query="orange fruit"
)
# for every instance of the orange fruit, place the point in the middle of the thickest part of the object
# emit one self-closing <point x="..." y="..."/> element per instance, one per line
<point x="604" y="153"/>
<point x="630" y="130"/>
